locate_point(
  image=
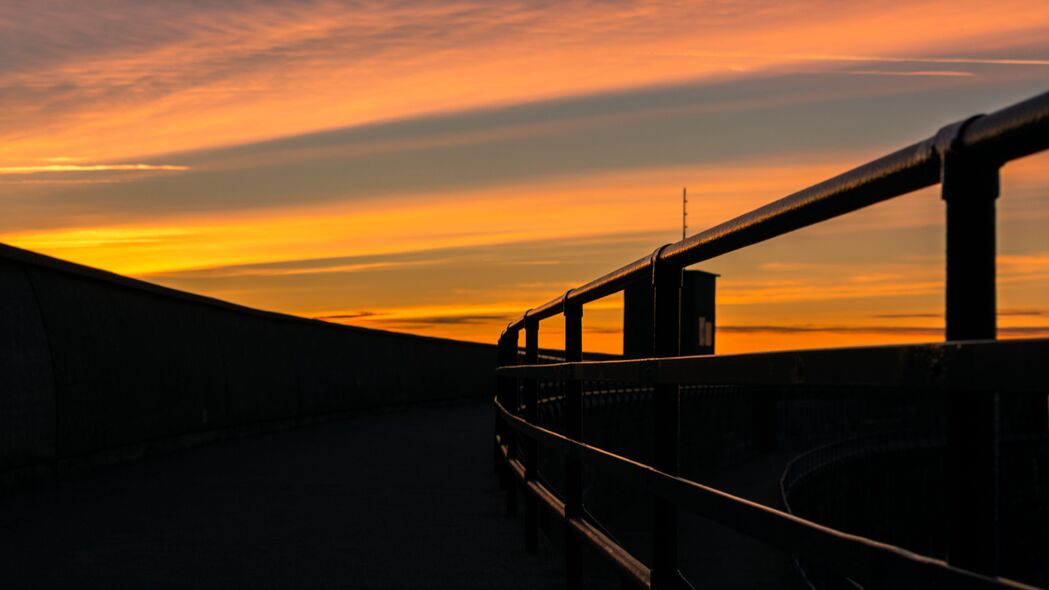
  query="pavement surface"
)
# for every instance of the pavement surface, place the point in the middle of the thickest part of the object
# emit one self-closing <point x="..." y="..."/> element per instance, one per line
<point x="401" y="500"/>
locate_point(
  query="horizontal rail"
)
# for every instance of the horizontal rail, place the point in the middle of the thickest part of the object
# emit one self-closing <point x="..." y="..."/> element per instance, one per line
<point x="628" y="565"/>
<point x="1005" y="135"/>
<point x="1006" y="365"/>
<point x="862" y="559"/>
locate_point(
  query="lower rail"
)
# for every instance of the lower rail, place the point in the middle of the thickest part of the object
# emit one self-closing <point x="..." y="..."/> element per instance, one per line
<point x="871" y="563"/>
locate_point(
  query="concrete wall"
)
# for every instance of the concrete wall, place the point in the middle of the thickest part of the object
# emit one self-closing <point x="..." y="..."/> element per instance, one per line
<point x="96" y="367"/>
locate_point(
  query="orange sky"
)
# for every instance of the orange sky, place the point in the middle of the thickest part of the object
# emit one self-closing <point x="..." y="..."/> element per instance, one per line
<point x="440" y="167"/>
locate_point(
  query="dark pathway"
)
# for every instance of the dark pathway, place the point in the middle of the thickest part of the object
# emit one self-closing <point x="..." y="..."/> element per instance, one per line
<point x="404" y="500"/>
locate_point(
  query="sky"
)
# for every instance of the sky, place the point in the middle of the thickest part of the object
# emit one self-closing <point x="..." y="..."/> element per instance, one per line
<point x="440" y="167"/>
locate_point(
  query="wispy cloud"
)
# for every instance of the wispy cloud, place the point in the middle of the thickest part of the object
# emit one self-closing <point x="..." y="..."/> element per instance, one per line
<point x="904" y="73"/>
<point x="346" y="316"/>
<point x="485" y="157"/>
<point x="757" y="123"/>
<point x="910" y="316"/>
<point x="940" y="316"/>
<point x="425" y="315"/>
<point x="141" y="78"/>
<point x="764" y="293"/>
<point x="89" y="168"/>
<point x="283" y="270"/>
<point x="805" y="329"/>
<point x="1007" y="331"/>
<point x="110" y="237"/>
<point x="884" y="58"/>
<point x="439" y="321"/>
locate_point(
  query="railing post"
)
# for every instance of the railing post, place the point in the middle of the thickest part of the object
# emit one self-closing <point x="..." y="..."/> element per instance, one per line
<point x="530" y="447"/>
<point x="666" y="341"/>
<point x="508" y="393"/>
<point x="970" y="188"/>
<point x="500" y="426"/>
<point x="573" y="416"/>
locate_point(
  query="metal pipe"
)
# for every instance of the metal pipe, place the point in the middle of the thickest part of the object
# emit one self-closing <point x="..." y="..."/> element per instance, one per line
<point x="508" y="395"/>
<point x="529" y="446"/>
<point x="970" y="187"/>
<point x="573" y="430"/>
<point x="666" y="342"/>
<point x="871" y="562"/>
<point x="1010" y="133"/>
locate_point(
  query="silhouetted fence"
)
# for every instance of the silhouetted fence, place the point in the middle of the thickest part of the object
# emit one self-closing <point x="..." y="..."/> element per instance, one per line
<point x="965" y="390"/>
<point x="96" y="368"/>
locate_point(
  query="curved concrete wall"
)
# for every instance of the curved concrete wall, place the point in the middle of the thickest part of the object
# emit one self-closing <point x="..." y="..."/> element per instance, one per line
<point x="91" y="361"/>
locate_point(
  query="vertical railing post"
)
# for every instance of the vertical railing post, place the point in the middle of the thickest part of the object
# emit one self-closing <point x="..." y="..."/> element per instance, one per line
<point x="573" y="415"/>
<point x="500" y="395"/>
<point x="508" y="393"/>
<point x="530" y="447"/>
<point x="970" y="188"/>
<point x="666" y="297"/>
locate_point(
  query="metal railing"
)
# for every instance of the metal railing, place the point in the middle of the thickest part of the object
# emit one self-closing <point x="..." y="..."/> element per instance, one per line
<point x="972" y="368"/>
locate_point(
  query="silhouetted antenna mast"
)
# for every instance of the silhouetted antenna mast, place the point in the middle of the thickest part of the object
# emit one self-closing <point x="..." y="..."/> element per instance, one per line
<point x="684" y="213"/>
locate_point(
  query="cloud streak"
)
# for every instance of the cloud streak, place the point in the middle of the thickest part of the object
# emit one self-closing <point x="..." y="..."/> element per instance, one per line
<point x="262" y="270"/>
<point x="933" y="331"/>
<point x="441" y="166"/>
<point x="714" y="125"/>
<point x="887" y="58"/>
<point x="904" y="73"/>
<point x="940" y="315"/>
<point x="144" y="78"/>
<point x="45" y="168"/>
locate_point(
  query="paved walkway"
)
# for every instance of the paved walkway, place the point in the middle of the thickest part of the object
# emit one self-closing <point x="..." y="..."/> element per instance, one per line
<point x="404" y="500"/>
<point x="717" y="557"/>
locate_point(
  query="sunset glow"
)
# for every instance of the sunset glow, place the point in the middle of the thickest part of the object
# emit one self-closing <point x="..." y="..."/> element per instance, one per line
<point x="439" y="168"/>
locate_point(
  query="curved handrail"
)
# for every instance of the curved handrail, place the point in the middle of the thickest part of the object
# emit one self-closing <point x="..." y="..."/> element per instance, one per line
<point x="1005" y="135"/>
<point x="965" y="157"/>
<point x="887" y="565"/>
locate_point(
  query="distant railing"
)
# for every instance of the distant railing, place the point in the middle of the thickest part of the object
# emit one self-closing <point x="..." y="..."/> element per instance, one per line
<point x="971" y="369"/>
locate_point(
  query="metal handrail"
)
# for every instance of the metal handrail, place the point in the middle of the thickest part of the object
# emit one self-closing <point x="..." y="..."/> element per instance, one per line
<point x="1005" y="135"/>
<point x="964" y="158"/>
<point x="877" y="563"/>
<point x="1013" y="365"/>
